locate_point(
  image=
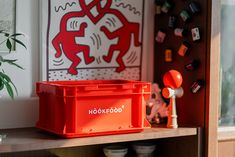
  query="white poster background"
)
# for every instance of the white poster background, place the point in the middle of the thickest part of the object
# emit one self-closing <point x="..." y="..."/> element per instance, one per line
<point x="54" y="68"/>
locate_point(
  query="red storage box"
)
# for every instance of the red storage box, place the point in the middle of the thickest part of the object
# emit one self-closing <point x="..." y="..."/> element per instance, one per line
<point x="97" y="107"/>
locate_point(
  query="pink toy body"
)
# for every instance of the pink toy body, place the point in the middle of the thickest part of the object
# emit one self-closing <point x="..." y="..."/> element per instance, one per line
<point x="157" y="105"/>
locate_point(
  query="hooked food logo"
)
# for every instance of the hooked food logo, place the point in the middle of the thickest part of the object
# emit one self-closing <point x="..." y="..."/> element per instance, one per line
<point x="111" y="110"/>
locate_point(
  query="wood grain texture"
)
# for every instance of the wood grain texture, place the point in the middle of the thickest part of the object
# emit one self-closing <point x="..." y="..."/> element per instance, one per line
<point x="226" y="149"/>
<point x="213" y="79"/>
<point x="226" y="134"/>
<point x="33" y="139"/>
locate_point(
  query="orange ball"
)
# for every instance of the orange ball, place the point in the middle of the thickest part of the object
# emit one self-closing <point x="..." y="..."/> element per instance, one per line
<point x="172" y="79"/>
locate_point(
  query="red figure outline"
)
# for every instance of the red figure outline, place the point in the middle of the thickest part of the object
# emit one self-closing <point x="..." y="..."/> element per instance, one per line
<point x="86" y="9"/>
<point x="124" y="33"/>
<point x="67" y="41"/>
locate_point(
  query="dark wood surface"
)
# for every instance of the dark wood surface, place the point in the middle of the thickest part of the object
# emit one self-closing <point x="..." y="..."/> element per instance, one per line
<point x="191" y="107"/>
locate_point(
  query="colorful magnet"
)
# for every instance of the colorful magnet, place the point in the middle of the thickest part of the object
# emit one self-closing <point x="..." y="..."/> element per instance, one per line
<point x="180" y="32"/>
<point x="192" y="65"/>
<point x="158" y="6"/>
<point x="160" y="36"/>
<point x="194" y="7"/>
<point x="168" y="55"/>
<point x="196" y="86"/>
<point x="195" y="34"/>
<point x="172" y="21"/>
<point x="166" y="6"/>
<point x="183" y="48"/>
<point x="157" y="9"/>
<point x="184" y="14"/>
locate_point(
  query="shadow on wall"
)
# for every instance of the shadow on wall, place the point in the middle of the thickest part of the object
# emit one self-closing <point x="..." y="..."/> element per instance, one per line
<point x="17" y="113"/>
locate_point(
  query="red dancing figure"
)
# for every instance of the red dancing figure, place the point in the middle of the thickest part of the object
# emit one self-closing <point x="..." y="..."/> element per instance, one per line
<point x="68" y="44"/>
<point x="123" y="34"/>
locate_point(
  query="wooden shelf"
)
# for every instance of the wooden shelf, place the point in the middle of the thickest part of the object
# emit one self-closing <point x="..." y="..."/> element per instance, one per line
<point x="30" y="139"/>
<point x="226" y="133"/>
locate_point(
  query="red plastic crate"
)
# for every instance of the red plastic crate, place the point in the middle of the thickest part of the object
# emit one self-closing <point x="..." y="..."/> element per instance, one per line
<point x="97" y="107"/>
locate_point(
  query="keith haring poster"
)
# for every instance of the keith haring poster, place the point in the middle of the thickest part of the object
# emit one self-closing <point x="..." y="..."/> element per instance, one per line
<point x="91" y="39"/>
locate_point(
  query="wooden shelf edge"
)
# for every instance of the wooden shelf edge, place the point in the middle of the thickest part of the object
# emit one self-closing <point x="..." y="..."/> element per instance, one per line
<point x="30" y="139"/>
<point x="226" y="134"/>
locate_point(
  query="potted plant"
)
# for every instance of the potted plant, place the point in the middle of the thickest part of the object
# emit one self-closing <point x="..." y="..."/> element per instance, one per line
<point x="9" y="40"/>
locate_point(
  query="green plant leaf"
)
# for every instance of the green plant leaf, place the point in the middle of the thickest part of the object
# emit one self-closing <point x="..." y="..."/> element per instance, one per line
<point x="14" y="88"/>
<point x="17" y="65"/>
<point x="12" y="62"/>
<point x="9" y="60"/>
<point x="7" y="82"/>
<point x="19" y="42"/>
<point x="5" y="77"/>
<point x="1" y="83"/>
<point x="6" y="34"/>
<point x="16" y="34"/>
<point x="9" y="90"/>
<point x="9" y="45"/>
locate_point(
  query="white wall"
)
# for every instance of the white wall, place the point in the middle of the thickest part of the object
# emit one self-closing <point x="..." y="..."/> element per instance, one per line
<point x="23" y="111"/>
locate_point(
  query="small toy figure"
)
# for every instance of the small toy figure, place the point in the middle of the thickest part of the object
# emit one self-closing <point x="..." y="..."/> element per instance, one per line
<point x="157" y="105"/>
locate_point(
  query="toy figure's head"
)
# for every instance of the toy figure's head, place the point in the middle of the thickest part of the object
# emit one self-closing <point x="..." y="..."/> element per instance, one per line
<point x="172" y="79"/>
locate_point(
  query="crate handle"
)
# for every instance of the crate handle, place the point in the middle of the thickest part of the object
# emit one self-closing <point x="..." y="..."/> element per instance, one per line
<point x="107" y="87"/>
<point x="100" y="87"/>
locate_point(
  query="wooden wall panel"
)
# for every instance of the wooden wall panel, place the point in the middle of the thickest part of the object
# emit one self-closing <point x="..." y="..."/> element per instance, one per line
<point x="213" y="79"/>
<point x="226" y="149"/>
